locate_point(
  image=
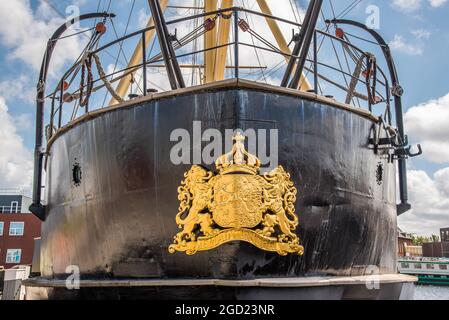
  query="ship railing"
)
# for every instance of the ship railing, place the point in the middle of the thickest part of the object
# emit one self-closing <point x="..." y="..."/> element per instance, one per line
<point x="378" y="91"/>
<point x="10" y="209"/>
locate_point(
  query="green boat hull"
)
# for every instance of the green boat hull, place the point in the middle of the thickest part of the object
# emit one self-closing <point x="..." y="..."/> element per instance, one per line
<point x="433" y="280"/>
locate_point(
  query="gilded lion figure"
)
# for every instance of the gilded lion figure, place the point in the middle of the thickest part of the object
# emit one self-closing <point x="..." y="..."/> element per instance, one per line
<point x="237" y="204"/>
<point x="194" y="195"/>
<point x="280" y="196"/>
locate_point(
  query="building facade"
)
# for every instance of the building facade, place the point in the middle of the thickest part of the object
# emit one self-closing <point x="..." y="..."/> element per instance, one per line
<point x="444" y="234"/>
<point x="18" y="229"/>
<point x="438" y="249"/>
<point x="404" y="241"/>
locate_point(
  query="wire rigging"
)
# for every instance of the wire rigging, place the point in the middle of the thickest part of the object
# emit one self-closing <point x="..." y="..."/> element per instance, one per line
<point x="255" y="49"/>
<point x="342" y="61"/>
<point x="121" y="51"/>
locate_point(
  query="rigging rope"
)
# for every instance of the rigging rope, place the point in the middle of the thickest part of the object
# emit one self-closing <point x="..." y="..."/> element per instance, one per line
<point x="255" y="49"/>
<point x="103" y="77"/>
<point x="87" y="65"/>
<point x="195" y="24"/>
<point x="199" y="30"/>
<point x="348" y="9"/>
<point x="370" y="68"/>
<point x="349" y="69"/>
<point x="121" y="51"/>
<point x="244" y="26"/>
<point x="371" y="74"/>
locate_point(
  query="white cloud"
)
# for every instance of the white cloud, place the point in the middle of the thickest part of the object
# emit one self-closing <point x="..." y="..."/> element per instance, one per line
<point x="427" y="124"/>
<point x="142" y="19"/>
<point x="421" y="33"/>
<point x="436" y="151"/>
<point x="401" y="45"/>
<point x="407" y="5"/>
<point x="18" y="88"/>
<point x="26" y="33"/>
<point x="437" y="3"/>
<point x="442" y="181"/>
<point x="16" y="166"/>
<point x="24" y="122"/>
<point x="429" y="197"/>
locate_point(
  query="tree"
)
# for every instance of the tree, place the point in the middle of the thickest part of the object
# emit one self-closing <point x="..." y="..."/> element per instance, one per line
<point x="419" y="240"/>
<point x="435" y="238"/>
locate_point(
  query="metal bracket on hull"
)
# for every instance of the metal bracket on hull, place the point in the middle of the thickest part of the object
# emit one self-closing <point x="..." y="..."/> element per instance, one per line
<point x="405" y="152"/>
<point x="403" y="208"/>
<point x="381" y="141"/>
<point x="39" y="211"/>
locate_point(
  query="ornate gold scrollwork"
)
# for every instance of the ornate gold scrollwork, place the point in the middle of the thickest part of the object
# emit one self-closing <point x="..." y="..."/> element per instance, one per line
<point x="237" y="204"/>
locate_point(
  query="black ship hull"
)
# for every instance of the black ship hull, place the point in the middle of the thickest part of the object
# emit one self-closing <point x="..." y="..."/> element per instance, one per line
<point x="117" y="222"/>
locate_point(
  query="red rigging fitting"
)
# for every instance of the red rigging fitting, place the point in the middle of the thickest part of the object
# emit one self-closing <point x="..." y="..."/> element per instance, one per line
<point x="101" y="28"/>
<point x="209" y="24"/>
<point x="244" y="25"/>
<point x="339" y="33"/>
<point x="67" y="97"/>
<point x="65" y="86"/>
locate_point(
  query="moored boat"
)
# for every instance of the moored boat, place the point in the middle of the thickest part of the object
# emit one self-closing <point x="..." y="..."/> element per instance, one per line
<point x="430" y="271"/>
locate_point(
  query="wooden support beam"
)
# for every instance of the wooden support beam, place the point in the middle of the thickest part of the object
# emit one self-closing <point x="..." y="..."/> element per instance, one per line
<point x="282" y="43"/>
<point x="210" y="41"/>
<point x="223" y="39"/>
<point x="354" y="80"/>
<point x="196" y="66"/>
<point x="136" y="58"/>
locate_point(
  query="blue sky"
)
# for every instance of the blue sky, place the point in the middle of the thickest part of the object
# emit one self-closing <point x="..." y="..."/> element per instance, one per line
<point x="417" y="31"/>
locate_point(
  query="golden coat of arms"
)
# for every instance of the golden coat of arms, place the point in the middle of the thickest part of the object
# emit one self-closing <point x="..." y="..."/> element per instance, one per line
<point x="237" y="204"/>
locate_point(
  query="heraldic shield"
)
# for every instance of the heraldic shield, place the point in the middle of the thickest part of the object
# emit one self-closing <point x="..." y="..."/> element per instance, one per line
<point x="237" y="204"/>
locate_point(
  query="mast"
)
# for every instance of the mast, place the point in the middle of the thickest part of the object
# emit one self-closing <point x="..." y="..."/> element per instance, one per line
<point x="223" y="37"/>
<point x="282" y="43"/>
<point x="302" y="45"/>
<point x="168" y="53"/>
<point x="137" y="57"/>
<point x="306" y="40"/>
<point x="210" y="41"/>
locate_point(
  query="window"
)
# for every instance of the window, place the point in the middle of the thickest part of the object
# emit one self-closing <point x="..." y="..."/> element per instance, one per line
<point x="16" y="228"/>
<point x="443" y="266"/>
<point x="1" y="227"/>
<point x="418" y="266"/>
<point x="405" y="265"/>
<point x="429" y="266"/>
<point x="13" y="255"/>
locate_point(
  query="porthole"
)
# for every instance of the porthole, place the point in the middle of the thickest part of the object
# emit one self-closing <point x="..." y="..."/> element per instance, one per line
<point x="379" y="173"/>
<point x="77" y="174"/>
